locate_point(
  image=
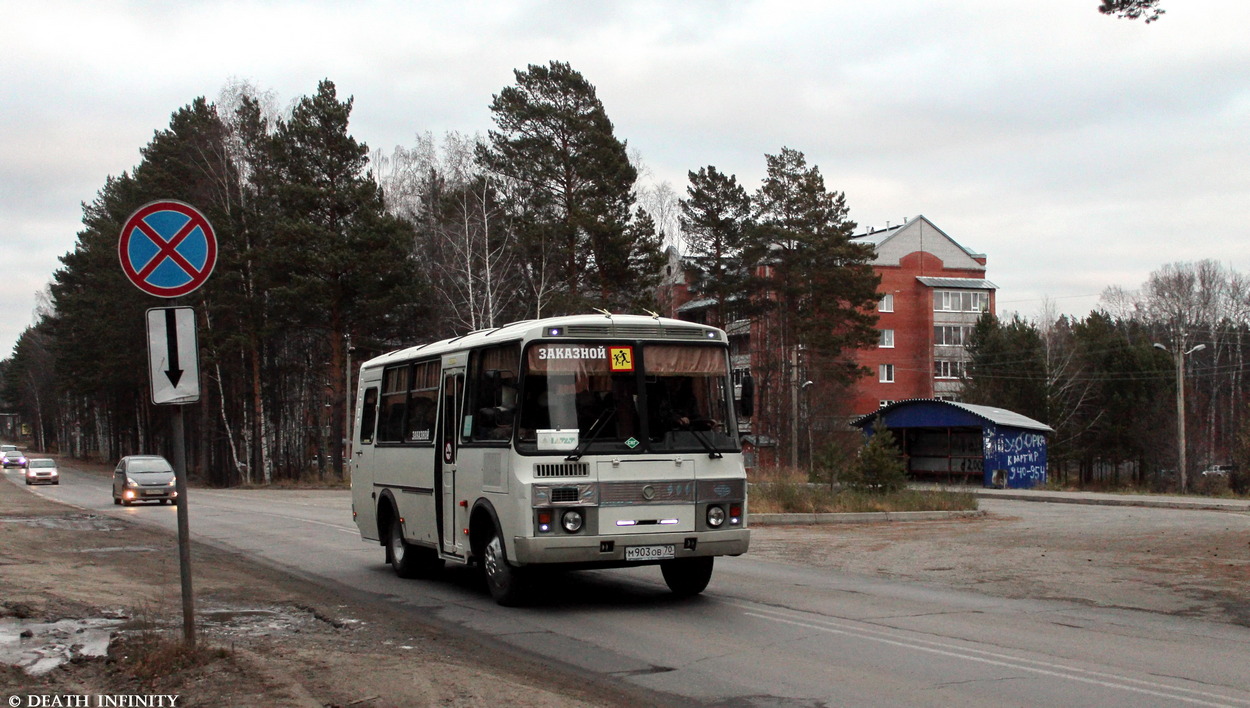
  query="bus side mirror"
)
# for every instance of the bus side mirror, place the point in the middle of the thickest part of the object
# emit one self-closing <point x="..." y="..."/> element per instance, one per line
<point x="747" y="402"/>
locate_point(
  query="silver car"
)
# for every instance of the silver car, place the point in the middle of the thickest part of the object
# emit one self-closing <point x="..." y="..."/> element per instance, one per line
<point x="42" y="470"/>
<point x="143" y="478"/>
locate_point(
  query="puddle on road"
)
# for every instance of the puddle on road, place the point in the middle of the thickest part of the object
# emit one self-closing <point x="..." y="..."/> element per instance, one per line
<point x="39" y="647"/>
<point x="72" y="522"/>
<point x="239" y="621"/>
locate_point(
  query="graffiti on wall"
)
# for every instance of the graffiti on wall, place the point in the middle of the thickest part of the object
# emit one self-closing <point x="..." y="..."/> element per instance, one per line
<point x="1024" y="456"/>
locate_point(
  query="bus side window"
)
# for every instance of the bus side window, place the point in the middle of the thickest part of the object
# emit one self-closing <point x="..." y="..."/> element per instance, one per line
<point x="493" y="393"/>
<point x="368" y="416"/>
<point x="394" y="396"/>
<point x="422" y="403"/>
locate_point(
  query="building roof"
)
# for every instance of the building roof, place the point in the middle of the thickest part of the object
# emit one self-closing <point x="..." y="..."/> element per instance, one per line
<point x="697" y="304"/>
<point x="989" y="414"/>
<point x="965" y="283"/>
<point x="878" y="237"/>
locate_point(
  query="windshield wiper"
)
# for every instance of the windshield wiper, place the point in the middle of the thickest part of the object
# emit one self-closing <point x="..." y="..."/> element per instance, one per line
<point x="600" y="424"/>
<point x="712" y="452"/>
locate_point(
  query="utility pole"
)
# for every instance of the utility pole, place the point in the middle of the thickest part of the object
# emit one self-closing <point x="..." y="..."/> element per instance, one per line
<point x="1179" y="355"/>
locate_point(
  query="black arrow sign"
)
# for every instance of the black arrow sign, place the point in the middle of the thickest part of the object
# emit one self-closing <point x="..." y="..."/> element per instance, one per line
<point x="171" y="342"/>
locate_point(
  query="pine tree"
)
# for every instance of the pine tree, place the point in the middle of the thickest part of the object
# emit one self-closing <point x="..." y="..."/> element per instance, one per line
<point x="715" y="218"/>
<point x="821" y="289"/>
<point x="339" y="262"/>
<point x="824" y="281"/>
<point x="880" y="467"/>
<point x="1007" y="367"/>
<point x="571" y="184"/>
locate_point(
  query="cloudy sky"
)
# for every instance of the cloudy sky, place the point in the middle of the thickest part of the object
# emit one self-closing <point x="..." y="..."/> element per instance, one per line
<point x="1076" y="150"/>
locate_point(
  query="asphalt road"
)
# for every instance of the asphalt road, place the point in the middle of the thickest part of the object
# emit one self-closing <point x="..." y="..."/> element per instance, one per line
<point x="765" y="633"/>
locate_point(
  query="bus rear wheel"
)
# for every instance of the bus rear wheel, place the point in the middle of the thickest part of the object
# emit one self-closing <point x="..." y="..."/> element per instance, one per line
<point x="408" y="560"/>
<point x="507" y="583"/>
<point x="687" y="576"/>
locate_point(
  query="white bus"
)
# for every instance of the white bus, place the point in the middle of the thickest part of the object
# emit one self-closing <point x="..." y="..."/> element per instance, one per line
<point x="586" y="441"/>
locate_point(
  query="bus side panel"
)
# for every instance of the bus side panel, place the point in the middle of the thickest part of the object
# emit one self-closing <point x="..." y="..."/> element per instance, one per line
<point x="409" y="472"/>
<point x="484" y="471"/>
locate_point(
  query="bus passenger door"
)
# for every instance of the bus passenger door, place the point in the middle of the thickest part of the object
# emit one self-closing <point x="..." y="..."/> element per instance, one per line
<point x="445" y="473"/>
<point x="364" y="503"/>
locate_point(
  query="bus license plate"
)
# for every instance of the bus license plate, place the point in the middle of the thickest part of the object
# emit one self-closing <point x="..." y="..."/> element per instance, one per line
<point x="647" y="553"/>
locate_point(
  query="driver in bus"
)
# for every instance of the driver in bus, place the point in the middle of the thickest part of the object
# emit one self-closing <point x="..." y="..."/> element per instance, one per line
<point x="678" y="407"/>
<point x="496" y="421"/>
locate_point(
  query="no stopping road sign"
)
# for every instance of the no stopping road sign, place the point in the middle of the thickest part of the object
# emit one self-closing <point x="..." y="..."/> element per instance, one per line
<point x="167" y="248"/>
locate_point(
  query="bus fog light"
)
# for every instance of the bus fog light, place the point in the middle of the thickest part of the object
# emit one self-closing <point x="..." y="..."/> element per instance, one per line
<point x="715" y="516"/>
<point x="571" y="521"/>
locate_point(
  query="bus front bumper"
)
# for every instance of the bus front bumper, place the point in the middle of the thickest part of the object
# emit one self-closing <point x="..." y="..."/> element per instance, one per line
<point x="612" y="550"/>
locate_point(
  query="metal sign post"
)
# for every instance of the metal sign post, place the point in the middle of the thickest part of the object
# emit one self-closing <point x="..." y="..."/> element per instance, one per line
<point x="174" y="369"/>
<point x="168" y="249"/>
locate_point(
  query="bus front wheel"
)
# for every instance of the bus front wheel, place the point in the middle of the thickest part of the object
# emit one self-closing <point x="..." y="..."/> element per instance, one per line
<point x="506" y="583"/>
<point x="687" y="576"/>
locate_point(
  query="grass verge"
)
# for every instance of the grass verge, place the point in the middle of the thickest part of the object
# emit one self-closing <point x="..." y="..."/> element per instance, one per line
<point x="787" y="492"/>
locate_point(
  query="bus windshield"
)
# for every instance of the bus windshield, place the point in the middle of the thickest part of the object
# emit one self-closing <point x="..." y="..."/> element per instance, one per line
<point x="625" y="398"/>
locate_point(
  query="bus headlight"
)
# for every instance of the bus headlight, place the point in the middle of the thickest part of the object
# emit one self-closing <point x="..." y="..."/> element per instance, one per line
<point x="715" y="516"/>
<point x="571" y="520"/>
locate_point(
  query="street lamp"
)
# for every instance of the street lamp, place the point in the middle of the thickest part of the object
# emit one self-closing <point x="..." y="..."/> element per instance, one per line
<point x="1179" y="356"/>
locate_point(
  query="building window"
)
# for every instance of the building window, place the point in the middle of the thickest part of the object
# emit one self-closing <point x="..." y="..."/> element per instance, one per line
<point x="951" y="335"/>
<point x="886" y="372"/>
<point x="948" y="369"/>
<point x="961" y="300"/>
<point x="887" y="339"/>
<point x="886" y="303"/>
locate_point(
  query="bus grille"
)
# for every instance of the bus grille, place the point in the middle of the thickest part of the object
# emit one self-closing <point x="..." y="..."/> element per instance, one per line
<point x="579" y="469"/>
<point x="564" y="495"/>
<point x="620" y="493"/>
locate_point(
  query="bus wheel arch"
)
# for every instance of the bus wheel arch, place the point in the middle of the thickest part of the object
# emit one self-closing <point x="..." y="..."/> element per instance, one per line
<point x="386" y="512"/>
<point x="483" y="522"/>
<point x="409" y="560"/>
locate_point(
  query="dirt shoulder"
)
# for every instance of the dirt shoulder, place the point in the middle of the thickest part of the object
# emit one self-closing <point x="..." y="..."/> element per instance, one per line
<point x="1184" y="562"/>
<point x="266" y="638"/>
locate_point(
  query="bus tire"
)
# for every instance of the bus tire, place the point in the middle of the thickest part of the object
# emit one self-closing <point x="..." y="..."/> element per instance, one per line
<point x="506" y="582"/>
<point x="408" y="560"/>
<point x="687" y="577"/>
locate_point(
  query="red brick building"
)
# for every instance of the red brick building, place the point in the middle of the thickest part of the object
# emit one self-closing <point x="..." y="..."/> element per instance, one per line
<point x="933" y="290"/>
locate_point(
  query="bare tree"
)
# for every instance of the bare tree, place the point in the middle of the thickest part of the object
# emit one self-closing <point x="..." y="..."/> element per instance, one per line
<point x="663" y="203"/>
<point x="464" y="236"/>
<point x="1201" y="308"/>
<point x="1068" y="390"/>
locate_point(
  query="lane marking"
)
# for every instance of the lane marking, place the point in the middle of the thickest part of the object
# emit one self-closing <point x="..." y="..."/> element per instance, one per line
<point x="1003" y="660"/>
